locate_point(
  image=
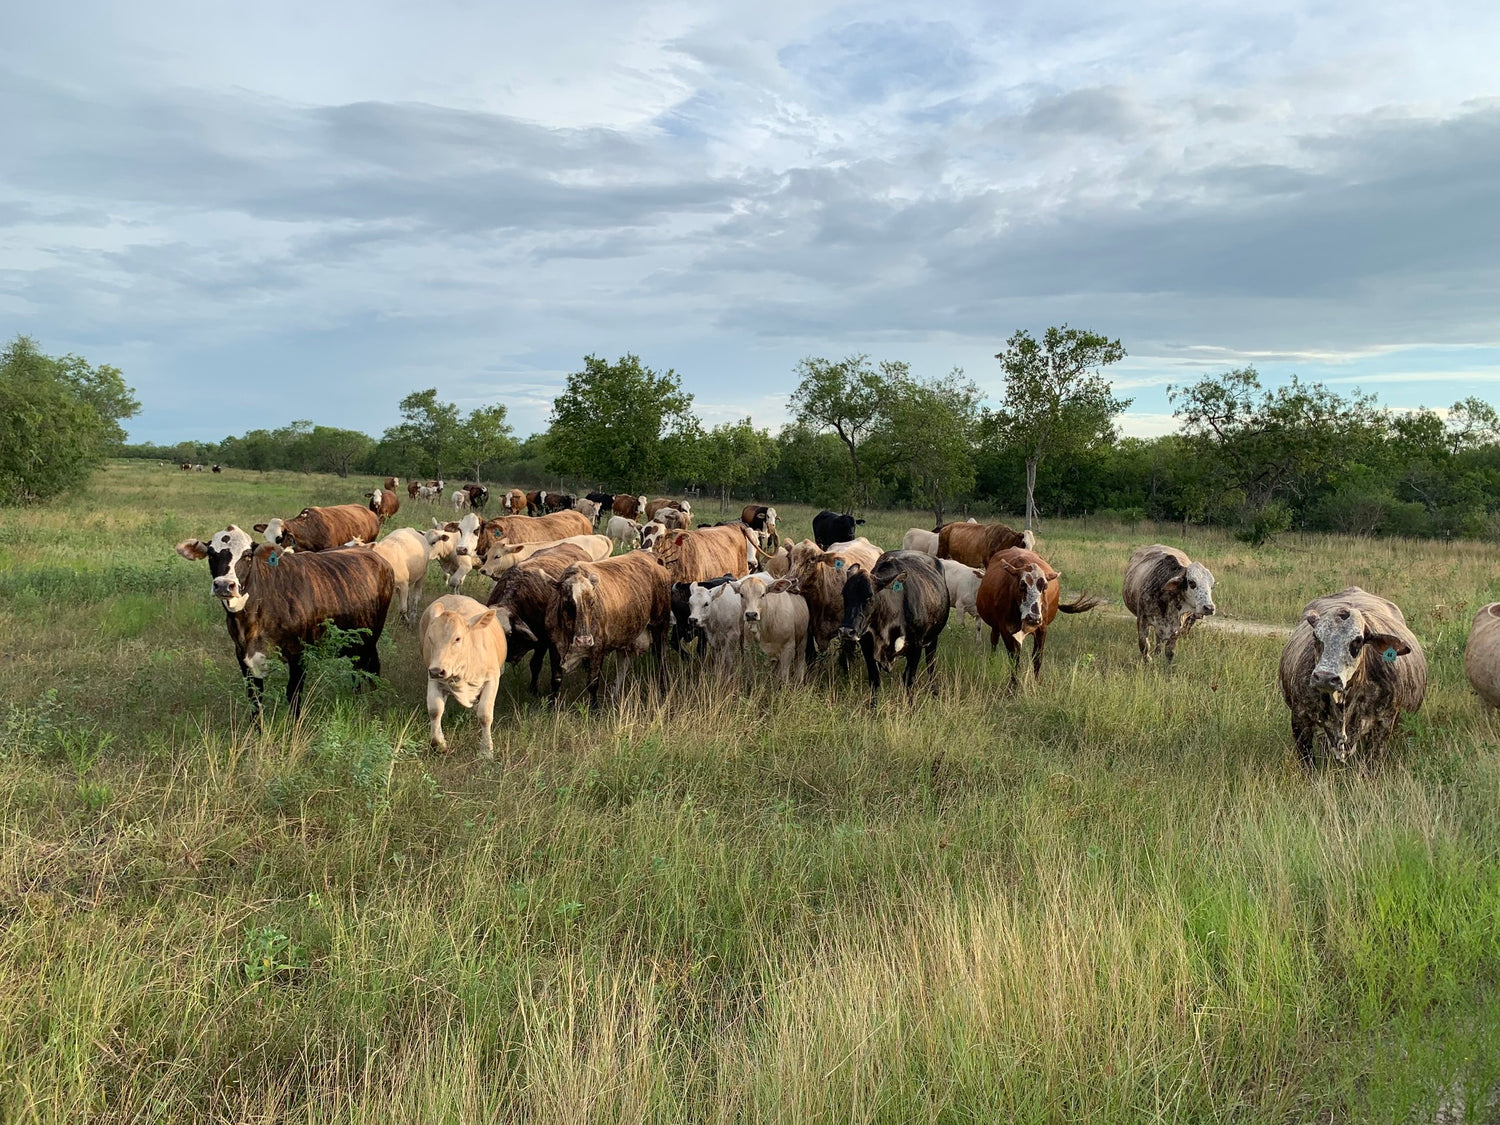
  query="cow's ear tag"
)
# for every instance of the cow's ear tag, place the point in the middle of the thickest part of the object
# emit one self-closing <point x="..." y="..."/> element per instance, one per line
<point x="1389" y="655"/>
<point x="838" y="564"/>
<point x="897" y="586"/>
<point x="272" y="559"/>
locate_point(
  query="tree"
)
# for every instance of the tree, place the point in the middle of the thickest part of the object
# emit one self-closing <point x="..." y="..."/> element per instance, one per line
<point x="1056" y="402"/>
<point x="102" y="388"/>
<point x="926" y="435"/>
<point x="1472" y="424"/>
<point x="734" y="454"/>
<point x="487" y="437"/>
<point x="621" y="425"/>
<point x="844" y="397"/>
<point x="334" y="450"/>
<point x="428" y="436"/>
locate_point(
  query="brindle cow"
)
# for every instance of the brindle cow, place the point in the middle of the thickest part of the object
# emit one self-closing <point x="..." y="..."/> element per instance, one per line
<point x="900" y="605"/>
<point x="319" y="529"/>
<point x="1168" y="593"/>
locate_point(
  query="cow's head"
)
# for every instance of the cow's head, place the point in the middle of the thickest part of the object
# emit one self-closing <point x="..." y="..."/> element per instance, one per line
<point x="578" y="591"/>
<point x="1341" y="638"/>
<point x="501" y="558"/>
<point x="467" y="544"/>
<point x="446" y="639"/>
<point x="1193" y="586"/>
<point x="1031" y="590"/>
<point x="441" y="539"/>
<point x="859" y="594"/>
<point x="699" y="598"/>
<point x="652" y="534"/>
<point x="753" y="592"/>
<point x="276" y="533"/>
<point x="887" y="622"/>
<point x="375" y="499"/>
<point x="225" y="551"/>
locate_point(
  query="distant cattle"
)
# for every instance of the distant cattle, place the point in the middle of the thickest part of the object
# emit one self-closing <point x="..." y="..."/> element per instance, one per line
<point x="920" y="539"/>
<point x="514" y="503"/>
<point x="384" y="503"/>
<point x="1168" y="593"/>
<point x="675" y="519"/>
<point x="412" y="489"/>
<point x="185" y="467"/>
<point x="963" y="590"/>
<point x="319" y="529"/>
<point x="974" y="544"/>
<point x="656" y="505"/>
<point x="478" y="496"/>
<point x="406" y="551"/>
<point x="520" y="597"/>
<point x="463" y="647"/>
<point x="605" y="502"/>
<point x="277" y="600"/>
<point x="1349" y="671"/>
<point x="460" y="499"/>
<point x="391" y="484"/>
<point x="898" y="606"/>
<point x="1019" y="596"/>
<point x="217" y="469"/>
<point x="559" y="501"/>
<point x="631" y="507"/>
<point x="431" y="491"/>
<point x="776" y="620"/>
<point x="831" y="527"/>
<point x="588" y="509"/>
<point x="623" y="605"/>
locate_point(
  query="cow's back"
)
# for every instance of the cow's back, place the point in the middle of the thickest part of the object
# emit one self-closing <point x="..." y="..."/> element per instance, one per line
<point x="1148" y="571"/>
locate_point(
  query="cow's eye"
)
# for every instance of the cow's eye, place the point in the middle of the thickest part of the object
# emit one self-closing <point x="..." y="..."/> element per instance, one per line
<point x="1355" y="646"/>
<point x="1192" y="585"/>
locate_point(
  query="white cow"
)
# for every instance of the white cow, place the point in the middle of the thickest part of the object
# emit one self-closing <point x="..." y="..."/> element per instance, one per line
<point x="463" y="647"/>
<point x="920" y="539"/>
<point x="456" y="547"/>
<point x="460" y="500"/>
<point x="406" y="550"/>
<point x="588" y="507"/>
<point x="626" y="532"/>
<point x="776" y="620"/>
<point x="721" y="615"/>
<point x="963" y="590"/>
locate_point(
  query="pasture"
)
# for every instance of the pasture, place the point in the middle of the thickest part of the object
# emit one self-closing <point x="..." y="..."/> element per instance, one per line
<point x="1114" y="896"/>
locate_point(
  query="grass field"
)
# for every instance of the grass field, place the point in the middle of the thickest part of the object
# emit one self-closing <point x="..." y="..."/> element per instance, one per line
<point x="1113" y="897"/>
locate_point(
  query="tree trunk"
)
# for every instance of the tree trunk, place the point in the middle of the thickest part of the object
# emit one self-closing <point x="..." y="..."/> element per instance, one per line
<point x="1030" y="491"/>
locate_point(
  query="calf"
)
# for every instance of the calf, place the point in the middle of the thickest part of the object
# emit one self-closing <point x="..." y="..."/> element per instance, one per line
<point x="974" y="543"/>
<point x="623" y="604"/>
<point x="1348" y="672"/>
<point x="920" y="539"/>
<point x="652" y="534"/>
<point x="520" y="597"/>
<point x="276" y="599"/>
<point x="1167" y="593"/>
<point x="831" y="527"/>
<point x="406" y="551"/>
<point x="319" y="529"/>
<point x="718" y="615"/>
<point x="588" y="509"/>
<point x="455" y="546"/>
<point x="624" y="532"/>
<point x="460" y="499"/>
<point x="899" y="605"/>
<point x="479" y="496"/>
<point x="413" y="490"/>
<point x="675" y="519"/>
<point x="776" y="620"/>
<point x="502" y="556"/>
<point x="384" y="503"/>
<point x="684" y="629"/>
<point x="963" y="591"/>
<point x="218" y="469"/>
<point x="1019" y="597"/>
<point x="464" y="649"/>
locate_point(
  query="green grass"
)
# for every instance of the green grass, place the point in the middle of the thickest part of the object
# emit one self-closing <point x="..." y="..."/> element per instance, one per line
<point x="1114" y="896"/>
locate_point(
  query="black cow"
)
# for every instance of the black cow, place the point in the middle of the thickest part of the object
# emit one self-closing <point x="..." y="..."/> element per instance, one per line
<point x="683" y="630"/>
<point x="478" y="496"/>
<point x="900" y="606"/>
<point x="830" y="528"/>
<point x="605" y="500"/>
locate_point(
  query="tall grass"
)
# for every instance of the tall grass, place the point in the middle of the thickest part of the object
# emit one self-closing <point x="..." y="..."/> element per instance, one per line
<point x="1112" y="896"/>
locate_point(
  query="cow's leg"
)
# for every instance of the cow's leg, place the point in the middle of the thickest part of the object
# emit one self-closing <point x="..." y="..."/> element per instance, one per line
<point x="1143" y="637"/>
<point x="1169" y="645"/>
<point x="1038" y="642"/>
<point x="436" y="700"/>
<point x="995" y="639"/>
<point x="554" y="690"/>
<point x="1013" y="650"/>
<point x="932" y="674"/>
<point x="1304" y="735"/>
<point x="659" y="650"/>
<point x="484" y="707"/>
<point x="913" y="661"/>
<point x="596" y="673"/>
<point x="255" y="690"/>
<point x="295" y="672"/>
<point x="867" y="646"/>
<point x="538" y="654"/>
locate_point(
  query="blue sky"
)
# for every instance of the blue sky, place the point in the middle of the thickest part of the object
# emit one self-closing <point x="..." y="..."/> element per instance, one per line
<point x="282" y="211"/>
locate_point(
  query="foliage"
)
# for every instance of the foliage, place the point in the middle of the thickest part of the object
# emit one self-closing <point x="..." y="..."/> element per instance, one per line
<point x="925" y="436"/>
<point x="844" y="396"/>
<point x="622" y="424"/>
<point x="734" y="454"/>
<point x="429" y="439"/>
<point x="487" y="438"/>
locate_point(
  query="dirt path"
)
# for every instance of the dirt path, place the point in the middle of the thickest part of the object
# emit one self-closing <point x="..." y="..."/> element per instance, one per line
<point x="1233" y="625"/>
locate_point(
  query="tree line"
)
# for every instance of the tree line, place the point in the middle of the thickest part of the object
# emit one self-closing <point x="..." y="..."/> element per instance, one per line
<point x="865" y="432"/>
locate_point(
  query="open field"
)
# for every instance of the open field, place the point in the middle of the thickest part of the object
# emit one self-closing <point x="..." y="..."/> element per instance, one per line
<point x="1113" y="897"/>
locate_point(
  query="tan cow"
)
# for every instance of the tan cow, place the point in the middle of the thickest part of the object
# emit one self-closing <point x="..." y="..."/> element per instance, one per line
<point x="514" y="502"/>
<point x="708" y="552"/>
<point x="533" y="529"/>
<point x="623" y="604"/>
<point x="776" y="620"/>
<point x="503" y="556"/>
<point x="920" y="539"/>
<point x="463" y="647"/>
<point x="406" y="552"/>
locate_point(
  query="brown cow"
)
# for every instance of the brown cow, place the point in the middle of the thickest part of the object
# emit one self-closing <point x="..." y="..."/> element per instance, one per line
<point x="973" y="543"/>
<point x="631" y="507"/>
<point x="531" y="529"/>
<point x="692" y="556"/>
<point x="654" y="506"/>
<point x="819" y="577"/>
<point x="623" y="604"/>
<point x="276" y="599"/>
<point x="384" y="503"/>
<point x="391" y="484"/>
<point x="1019" y="596"/>
<point x="412" y="488"/>
<point x="521" y="596"/>
<point x="319" y="529"/>
<point x="514" y="503"/>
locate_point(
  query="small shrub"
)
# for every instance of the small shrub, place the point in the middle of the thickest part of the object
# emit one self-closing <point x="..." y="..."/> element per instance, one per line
<point x="268" y="953"/>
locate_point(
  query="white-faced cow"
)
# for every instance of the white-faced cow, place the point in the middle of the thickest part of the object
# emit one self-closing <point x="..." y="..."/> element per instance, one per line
<point x="1349" y="671"/>
<point x="1019" y="596"/>
<point x="279" y="600"/>
<point x="384" y="503"/>
<point x="715" y="610"/>
<point x="1168" y="593"/>
<point x="631" y="507"/>
<point x="320" y="529"/>
<point x="514" y="503"/>
<point x="776" y="620"/>
<point x="463" y="647"/>
<point x="899" y="606"/>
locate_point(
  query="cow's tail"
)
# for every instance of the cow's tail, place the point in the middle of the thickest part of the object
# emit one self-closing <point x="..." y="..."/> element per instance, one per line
<point x="749" y="538"/>
<point x="1082" y="604"/>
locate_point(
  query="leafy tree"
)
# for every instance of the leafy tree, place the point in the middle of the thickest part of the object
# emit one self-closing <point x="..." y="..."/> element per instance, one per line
<point x="428" y="438"/>
<point x="1056" y="402"/>
<point x="335" y="450"/>
<point x="103" y="388"/>
<point x="487" y="437"/>
<point x="926" y="435"/>
<point x="844" y="396"/>
<point x="734" y="454"/>
<point x="622" y="424"/>
<point x="1472" y="423"/>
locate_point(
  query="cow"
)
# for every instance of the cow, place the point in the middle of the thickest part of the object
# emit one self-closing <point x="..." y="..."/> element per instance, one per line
<point x="631" y="507"/>
<point x="463" y="647"/>
<point x="819" y="577"/>
<point x="859" y="550"/>
<point x="779" y="563"/>
<point x="604" y="501"/>
<point x="460" y="499"/>
<point x="776" y="620"/>
<point x="199" y="468"/>
<point x="520" y="597"/>
<point x="185" y="467"/>
<point x="973" y="544"/>
<point x="413" y="490"/>
<point x="684" y="629"/>
<point x="502" y="556"/>
<point x="1348" y="672"/>
<point x="695" y="555"/>
<point x="623" y="604"/>
<point x="718" y="616"/>
<point x="217" y="468"/>
<point x="479" y="496"/>
<point x="406" y="551"/>
<point x="280" y="600"/>
<point x="624" y="532"/>
<point x="432" y="491"/>
<point x="1019" y="596"/>
<point x="920" y="539"/>
<point x="455" y="547"/>
<point x="587" y="508"/>
<point x="532" y="529"/>
<point x="831" y="527"/>
<point x="900" y="605"/>
<point x="535" y="502"/>
<point x="963" y="591"/>
<point x="1482" y="654"/>
<point x="559" y="502"/>
<point x="656" y="505"/>
<point x="384" y="503"/>
<point x="391" y="484"/>
<point x="514" y="503"/>
<point x="319" y="529"/>
<point x="675" y="519"/>
<point x="1168" y="594"/>
<point x="652" y="534"/>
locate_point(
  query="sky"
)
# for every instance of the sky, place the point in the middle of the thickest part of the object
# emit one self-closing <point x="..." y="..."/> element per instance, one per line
<point x="278" y="211"/>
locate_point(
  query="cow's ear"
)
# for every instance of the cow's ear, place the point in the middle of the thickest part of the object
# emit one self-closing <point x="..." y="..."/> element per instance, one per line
<point x="1311" y="617"/>
<point x="436" y="522"/>
<point x="1174" y="584"/>
<point x="193" y="549"/>
<point x="261" y="527"/>
<point x="1389" y="642"/>
<point x="857" y="568"/>
<point x="483" y="619"/>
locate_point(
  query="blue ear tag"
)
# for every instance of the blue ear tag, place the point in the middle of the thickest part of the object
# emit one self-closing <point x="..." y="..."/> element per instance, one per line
<point x="1389" y="655"/>
<point x="272" y="559"/>
<point x="896" y="585"/>
<point x="838" y="564"/>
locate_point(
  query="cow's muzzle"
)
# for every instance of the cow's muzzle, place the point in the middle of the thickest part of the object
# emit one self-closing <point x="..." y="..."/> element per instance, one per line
<point x="1326" y="682"/>
<point x="1032" y="620"/>
<point x="226" y="588"/>
<point x="1207" y="611"/>
<point x="751" y="615"/>
<point x="437" y="673"/>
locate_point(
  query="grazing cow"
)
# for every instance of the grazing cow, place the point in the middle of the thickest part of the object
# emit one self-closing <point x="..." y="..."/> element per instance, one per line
<point x="693" y="556"/>
<point x="717" y="614"/>
<point x="899" y="605"/>
<point x="514" y="503"/>
<point x="830" y="527"/>
<point x="1019" y="596"/>
<point x="460" y="500"/>
<point x="963" y="591"/>
<point x="920" y="539"/>
<point x="631" y="507"/>
<point x="662" y="502"/>
<point x="319" y="529"/>
<point x="776" y="620"/>
<point x="625" y="532"/>
<point x="406" y="551"/>
<point x="623" y="604"/>
<point x="276" y="599"/>
<point x="973" y="544"/>
<point x="413" y="490"/>
<point x="463" y="647"/>
<point x="683" y="627"/>
<point x="1348" y="672"/>
<point x="479" y="496"/>
<point x="502" y="556"/>
<point x="432" y="491"/>
<point x="217" y="469"/>
<point x="589" y="509"/>
<point x="384" y="503"/>
<point x="185" y="467"/>
<point x="535" y="502"/>
<point x="1482" y="654"/>
<point x="1168" y="593"/>
<point x="520" y="597"/>
<point x="455" y="547"/>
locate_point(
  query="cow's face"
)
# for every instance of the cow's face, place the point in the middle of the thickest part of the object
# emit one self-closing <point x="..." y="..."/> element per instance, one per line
<point x="467" y="543"/>
<point x="859" y="596"/>
<point x="1031" y="593"/>
<point x="887" y="628"/>
<point x="576" y="618"/>
<point x="1195" y="586"/>
<point x="225" y="550"/>
<point x="652" y="534"/>
<point x="275" y="533"/>
<point x="1341" y="638"/>
<point x="699" y="598"/>
<point x="501" y="558"/>
<point x="447" y="644"/>
<point x="440" y="539"/>
<point x="752" y="601"/>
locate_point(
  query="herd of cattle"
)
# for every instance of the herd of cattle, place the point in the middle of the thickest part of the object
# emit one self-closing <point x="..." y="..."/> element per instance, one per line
<point x="564" y="592"/>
